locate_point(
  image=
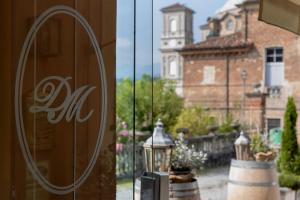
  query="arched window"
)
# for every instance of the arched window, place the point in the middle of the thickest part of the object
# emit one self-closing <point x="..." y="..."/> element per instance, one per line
<point x="229" y="25"/>
<point x="173" y="68"/>
<point x="173" y="25"/>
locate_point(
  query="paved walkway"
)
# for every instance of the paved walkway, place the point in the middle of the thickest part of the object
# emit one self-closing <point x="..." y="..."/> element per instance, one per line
<point x="212" y="184"/>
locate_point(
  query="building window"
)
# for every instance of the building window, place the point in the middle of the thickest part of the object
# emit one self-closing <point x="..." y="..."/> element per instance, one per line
<point x="209" y="74"/>
<point x="173" y="25"/>
<point x="229" y="25"/>
<point x="274" y="67"/>
<point x="273" y="123"/>
<point x="173" y="68"/>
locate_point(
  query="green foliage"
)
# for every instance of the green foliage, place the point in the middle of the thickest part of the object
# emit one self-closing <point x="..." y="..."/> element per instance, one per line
<point x="196" y="120"/>
<point x="258" y="145"/>
<point x="289" y="180"/>
<point x="226" y="127"/>
<point x="124" y="101"/>
<point x="289" y="154"/>
<point x="167" y="105"/>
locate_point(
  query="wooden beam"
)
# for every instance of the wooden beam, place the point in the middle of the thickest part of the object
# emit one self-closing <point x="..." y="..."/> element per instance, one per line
<point x="5" y="99"/>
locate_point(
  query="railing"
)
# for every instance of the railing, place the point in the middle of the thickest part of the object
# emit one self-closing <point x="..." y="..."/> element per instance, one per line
<point x="219" y="148"/>
<point x="124" y="161"/>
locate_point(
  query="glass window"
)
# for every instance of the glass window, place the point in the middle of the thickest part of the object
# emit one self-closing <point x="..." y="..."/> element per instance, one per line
<point x="274" y="54"/>
<point x="273" y="123"/>
<point x="274" y="67"/>
<point x="229" y="25"/>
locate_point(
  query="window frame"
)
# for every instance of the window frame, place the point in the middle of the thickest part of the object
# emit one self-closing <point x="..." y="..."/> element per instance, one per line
<point x="229" y="24"/>
<point x="274" y="62"/>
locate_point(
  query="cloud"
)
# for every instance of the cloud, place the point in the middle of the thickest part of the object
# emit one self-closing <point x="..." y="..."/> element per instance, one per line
<point x="123" y="42"/>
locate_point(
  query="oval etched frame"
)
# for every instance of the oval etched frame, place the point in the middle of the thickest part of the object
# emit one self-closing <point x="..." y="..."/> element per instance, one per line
<point x="59" y="190"/>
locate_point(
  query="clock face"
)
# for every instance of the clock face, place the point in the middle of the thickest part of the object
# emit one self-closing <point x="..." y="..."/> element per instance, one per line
<point x="172" y="43"/>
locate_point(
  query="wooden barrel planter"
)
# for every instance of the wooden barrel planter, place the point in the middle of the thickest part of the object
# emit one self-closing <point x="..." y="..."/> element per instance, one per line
<point x="251" y="180"/>
<point x="184" y="191"/>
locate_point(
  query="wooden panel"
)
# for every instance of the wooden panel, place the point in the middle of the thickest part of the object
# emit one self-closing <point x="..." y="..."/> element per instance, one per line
<point x="5" y="100"/>
<point x="61" y="48"/>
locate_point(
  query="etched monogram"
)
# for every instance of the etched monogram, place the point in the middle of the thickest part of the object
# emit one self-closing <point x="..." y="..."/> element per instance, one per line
<point x="71" y="106"/>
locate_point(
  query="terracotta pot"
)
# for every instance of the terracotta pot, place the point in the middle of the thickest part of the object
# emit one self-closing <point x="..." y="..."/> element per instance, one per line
<point x="261" y="156"/>
<point x="181" y="176"/>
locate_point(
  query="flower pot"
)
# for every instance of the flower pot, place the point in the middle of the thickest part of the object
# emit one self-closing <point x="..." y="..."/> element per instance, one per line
<point x="181" y="176"/>
<point x="261" y="156"/>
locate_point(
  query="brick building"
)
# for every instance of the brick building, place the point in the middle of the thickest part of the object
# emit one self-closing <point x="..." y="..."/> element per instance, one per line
<point x="233" y="43"/>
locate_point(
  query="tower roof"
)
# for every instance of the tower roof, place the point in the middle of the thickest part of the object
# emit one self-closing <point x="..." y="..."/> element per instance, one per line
<point x="176" y="7"/>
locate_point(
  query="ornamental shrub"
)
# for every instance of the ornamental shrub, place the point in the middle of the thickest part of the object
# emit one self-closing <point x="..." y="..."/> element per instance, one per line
<point x="258" y="144"/>
<point x="196" y="119"/>
<point x="289" y="154"/>
<point x="289" y="180"/>
<point x="226" y="126"/>
<point x="186" y="158"/>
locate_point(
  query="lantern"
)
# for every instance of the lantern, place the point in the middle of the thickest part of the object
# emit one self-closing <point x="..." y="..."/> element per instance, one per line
<point x="242" y="147"/>
<point x="158" y="150"/>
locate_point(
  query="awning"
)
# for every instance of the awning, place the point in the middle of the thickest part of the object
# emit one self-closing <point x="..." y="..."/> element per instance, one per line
<point x="282" y="13"/>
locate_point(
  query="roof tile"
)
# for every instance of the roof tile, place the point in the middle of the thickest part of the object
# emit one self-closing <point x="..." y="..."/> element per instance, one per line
<point x="223" y="42"/>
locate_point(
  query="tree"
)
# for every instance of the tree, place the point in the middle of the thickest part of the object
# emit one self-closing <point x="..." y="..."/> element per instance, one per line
<point x="124" y="101"/>
<point x="167" y="105"/>
<point x="289" y="154"/>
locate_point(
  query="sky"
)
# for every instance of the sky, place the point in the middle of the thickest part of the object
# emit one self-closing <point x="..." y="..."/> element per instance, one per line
<point x="125" y="32"/>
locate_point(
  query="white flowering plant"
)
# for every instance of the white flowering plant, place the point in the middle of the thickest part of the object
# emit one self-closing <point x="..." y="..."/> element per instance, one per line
<point x="186" y="158"/>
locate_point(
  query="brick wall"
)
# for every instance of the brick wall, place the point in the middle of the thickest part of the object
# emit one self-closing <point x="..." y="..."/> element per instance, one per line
<point x="214" y="95"/>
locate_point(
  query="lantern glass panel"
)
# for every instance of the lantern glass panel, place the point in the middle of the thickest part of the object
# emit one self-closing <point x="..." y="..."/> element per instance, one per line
<point x="161" y="162"/>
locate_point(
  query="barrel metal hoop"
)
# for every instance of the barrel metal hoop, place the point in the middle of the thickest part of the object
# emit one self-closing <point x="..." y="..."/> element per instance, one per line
<point x="183" y="194"/>
<point x="252" y="164"/>
<point x="253" y="184"/>
<point x="184" y="186"/>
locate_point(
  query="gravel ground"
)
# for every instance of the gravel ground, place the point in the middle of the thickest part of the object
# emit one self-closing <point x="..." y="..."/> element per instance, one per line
<point x="212" y="184"/>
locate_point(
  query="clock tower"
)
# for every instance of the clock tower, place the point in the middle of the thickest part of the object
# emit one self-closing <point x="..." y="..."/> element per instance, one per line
<point x="177" y="32"/>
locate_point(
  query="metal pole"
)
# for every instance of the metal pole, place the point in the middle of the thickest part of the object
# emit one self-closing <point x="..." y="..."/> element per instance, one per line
<point x="244" y="77"/>
<point x="244" y="100"/>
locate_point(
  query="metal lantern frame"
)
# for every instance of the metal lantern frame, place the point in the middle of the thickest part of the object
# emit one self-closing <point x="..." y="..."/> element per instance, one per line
<point x="242" y="147"/>
<point x="158" y="150"/>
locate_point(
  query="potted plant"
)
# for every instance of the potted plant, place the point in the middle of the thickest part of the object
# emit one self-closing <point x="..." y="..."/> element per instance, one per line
<point x="184" y="160"/>
<point x="260" y="149"/>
